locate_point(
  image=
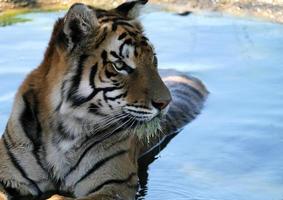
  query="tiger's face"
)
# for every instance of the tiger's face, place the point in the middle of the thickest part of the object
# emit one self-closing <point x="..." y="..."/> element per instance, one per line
<point x="112" y="75"/>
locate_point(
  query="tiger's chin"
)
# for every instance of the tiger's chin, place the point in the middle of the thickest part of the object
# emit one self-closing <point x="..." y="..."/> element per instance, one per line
<point x="146" y="124"/>
<point x="146" y="128"/>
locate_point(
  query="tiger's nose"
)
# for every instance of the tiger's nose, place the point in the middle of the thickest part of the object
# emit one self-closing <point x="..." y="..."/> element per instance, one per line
<point x="161" y="104"/>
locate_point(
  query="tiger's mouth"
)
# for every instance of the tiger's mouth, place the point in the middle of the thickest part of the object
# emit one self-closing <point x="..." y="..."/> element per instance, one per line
<point x="140" y="114"/>
<point x="144" y="123"/>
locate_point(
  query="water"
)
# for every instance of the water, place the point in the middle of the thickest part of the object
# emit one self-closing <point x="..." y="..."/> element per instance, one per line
<point x="234" y="149"/>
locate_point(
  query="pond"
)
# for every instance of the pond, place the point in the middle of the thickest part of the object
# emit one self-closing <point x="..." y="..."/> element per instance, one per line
<point x="234" y="149"/>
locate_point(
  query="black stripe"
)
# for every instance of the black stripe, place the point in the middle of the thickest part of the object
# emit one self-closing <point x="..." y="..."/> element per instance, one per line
<point x="111" y="107"/>
<point x="110" y="89"/>
<point x="81" y="100"/>
<point x="80" y="159"/>
<point x="131" y="33"/>
<point x="13" y="193"/>
<point x="114" y="54"/>
<point x="19" y="167"/>
<point x="114" y="27"/>
<point x="77" y="101"/>
<point x="99" y="102"/>
<point x="76" y="81"/>
<point x="92" y="75"/>
<point x="9" y="137"/>
<point x="63" y="134"/>
<point x="100" y="164"/>
<point x="62" y="95"/>
<point x="104" y="57"/>
<point x="93" y="106"/>
<point x="114" y="181"/>
<point x="122" y="36"/>
<point x="117" y="97"/>
<point x="35" y="151"/>
<point x="29" y="120"/>
<point x="88" y="149"/>
<point x="31" y="125"/>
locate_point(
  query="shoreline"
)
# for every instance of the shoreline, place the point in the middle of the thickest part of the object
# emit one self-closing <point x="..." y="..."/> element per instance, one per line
<point x="267" y="10"/>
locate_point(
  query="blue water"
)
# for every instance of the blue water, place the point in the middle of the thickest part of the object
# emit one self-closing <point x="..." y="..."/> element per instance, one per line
<point x="234" y="149"/>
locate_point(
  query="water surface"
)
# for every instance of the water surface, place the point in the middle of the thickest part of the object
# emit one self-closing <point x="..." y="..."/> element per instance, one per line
<point x="234" y="149"/>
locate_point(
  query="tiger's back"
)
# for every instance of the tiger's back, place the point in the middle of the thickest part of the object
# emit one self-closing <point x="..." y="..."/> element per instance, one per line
<point x="80" y="119"/>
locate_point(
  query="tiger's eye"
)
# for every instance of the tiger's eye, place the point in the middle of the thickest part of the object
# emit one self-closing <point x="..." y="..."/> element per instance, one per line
<point x="119" y="64"/>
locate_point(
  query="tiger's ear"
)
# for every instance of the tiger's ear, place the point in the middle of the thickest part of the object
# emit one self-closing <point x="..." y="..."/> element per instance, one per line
<point x="131" y="9"/>
<point x="79" y="22"/>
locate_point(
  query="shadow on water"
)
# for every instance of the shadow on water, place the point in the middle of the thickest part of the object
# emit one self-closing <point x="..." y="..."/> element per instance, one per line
<point x="146" y="160"/>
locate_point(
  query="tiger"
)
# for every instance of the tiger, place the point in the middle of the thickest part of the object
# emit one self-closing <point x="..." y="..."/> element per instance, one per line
<point x="95" y="105"/>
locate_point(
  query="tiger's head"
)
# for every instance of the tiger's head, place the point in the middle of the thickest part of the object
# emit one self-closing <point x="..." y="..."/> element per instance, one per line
<point x="109" y="69"/>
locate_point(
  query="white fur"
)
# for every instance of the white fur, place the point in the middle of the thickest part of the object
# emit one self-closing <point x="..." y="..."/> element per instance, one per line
<point x="130" y="50"/>
<point x="55" y="97"/>
<point x="84" y="88"/>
